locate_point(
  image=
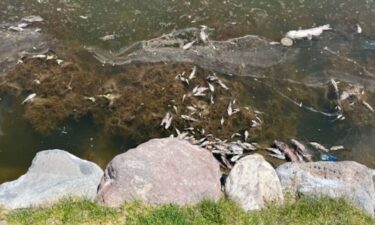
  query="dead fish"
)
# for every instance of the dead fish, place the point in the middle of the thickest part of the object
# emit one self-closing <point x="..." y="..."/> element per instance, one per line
<point x="301" y="149"/>
<point x="235" y="135"/>
<point x="192" y="74"/>
<point x="203" y="34"/>
<point x="336" y="148"/>
<point x="274" y="151"/>
<point x="184" y="80"/>
<point x="285" y="148"/>
<point x="191" y="108"/>
<point x="39" y="56"/>
<point x="248" y="146"/>
<point x="212" y="77"/>
<point x="246" y="135"/>
<point x="299" y="146"/>
<point x="29" y="98"/>
<point x="183" y="97"/>
<point x="108" y="37"/>
<point x="167" y="120"/>
<point x="229" y="109"/>
<point x="188" y="45"/>
<point x="211" y="87"/>
<point x="222" y="121"/>
<point x="92" y="99"/>
<point x="307" y="33"/>
<point x="222" y="85"/>
<point x="199" y="91"/>
<point x="32" y="19"/>
<point x="319" y="147"/>
<point x="282" y="157"/>
<point x="367" y="105"/>
<point x="212" y="100"/>
<point x="226" y="162"/>
<point x="188" y="118"/>
<point x="359" y="29"/>
<point x="334" y="89"/>
<point x="235" y="158"/>
<point x="175" y="109"/>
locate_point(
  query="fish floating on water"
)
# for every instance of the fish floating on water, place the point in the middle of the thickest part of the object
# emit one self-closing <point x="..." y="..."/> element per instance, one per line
<point x="318" y="146"/>
<point x="29" y="98"/>
<point x="307" y="33"/>
<point x="167" y="120"/>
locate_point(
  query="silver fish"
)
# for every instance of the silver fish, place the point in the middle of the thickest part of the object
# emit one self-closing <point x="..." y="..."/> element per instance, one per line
<point x="319" y="147"/>
<point x="192" y="74"/>
<point x="359" y="29"/>
<point x="235" y="158"/>
<point x="211" y="87"/>
<point x="229" y="109"/>
<point x="167" y="120"/>
<point x="222" y="85"/>
<point x="203" y="34"/>
<point x="29" y="98"/>
<point x="188" y="118"/>
<point x="308" y="33"/>
<point x="222" y="121"/>
<point x="246" y="135"/>
<point x="367" y="105"/>
<point x="188" y="45"/>
<point x="282" y="157"/>
<point x="336" y="148"/>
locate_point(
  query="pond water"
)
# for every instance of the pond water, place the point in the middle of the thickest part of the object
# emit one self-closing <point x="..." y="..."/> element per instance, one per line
<point x="73" y="25"/>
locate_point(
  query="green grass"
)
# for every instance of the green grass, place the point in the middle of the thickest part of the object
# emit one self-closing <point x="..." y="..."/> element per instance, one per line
<point x="303" y="211"/>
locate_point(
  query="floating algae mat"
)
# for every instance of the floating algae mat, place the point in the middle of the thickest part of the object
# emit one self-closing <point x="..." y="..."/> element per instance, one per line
<point x="102" y="77"/>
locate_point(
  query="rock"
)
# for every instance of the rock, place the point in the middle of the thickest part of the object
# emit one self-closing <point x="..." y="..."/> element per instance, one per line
<point x="349" y="180"/>
<point x="253" y="182"/>
<point x="53" y="174"/>
<point x="161" y="171"/>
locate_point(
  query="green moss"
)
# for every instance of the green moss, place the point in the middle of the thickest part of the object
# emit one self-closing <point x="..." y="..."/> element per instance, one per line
<point x="303" y="211"/>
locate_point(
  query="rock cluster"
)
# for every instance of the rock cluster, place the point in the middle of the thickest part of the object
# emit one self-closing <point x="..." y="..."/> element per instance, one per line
<point x="172" y="170"/>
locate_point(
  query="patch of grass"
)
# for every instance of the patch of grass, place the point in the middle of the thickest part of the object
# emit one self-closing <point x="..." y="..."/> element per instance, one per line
<point x="303" y="211"/>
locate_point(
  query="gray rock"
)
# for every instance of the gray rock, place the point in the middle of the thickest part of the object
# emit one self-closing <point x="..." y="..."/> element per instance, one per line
<point x="349" y="180"/>
<point x="54" y="174"/>
<point x="253" y="183"/>
<point x="161" y="171"/>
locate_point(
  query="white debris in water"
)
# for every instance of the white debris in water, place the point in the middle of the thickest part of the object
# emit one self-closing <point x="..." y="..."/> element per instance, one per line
<point x="108" y="37"/>
<point x="32" y="19"/>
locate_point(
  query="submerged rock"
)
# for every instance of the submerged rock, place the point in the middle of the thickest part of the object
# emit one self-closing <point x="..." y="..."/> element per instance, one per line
<point x="53" y="175"/>
<point x="161" y="171"/>
<point x="253" y="183"/>
<point x="349" y="180"/>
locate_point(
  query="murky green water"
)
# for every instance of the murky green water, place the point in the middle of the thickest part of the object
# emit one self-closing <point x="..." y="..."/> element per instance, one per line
<point x="79" y="23"/>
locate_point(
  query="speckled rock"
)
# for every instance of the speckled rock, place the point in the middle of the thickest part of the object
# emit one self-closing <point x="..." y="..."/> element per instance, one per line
<point x="161" y="171"/>
<point x="53" y="175"/>
<point x="253" y="182"/>
<point x="349" y="180"/>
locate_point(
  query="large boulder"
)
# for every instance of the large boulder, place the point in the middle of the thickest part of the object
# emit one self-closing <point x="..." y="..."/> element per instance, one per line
<point x="253" y="183"/>
<point x="349" y="180"/>
<point x="161" y="171"/>
<point x="54" y="174"/>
